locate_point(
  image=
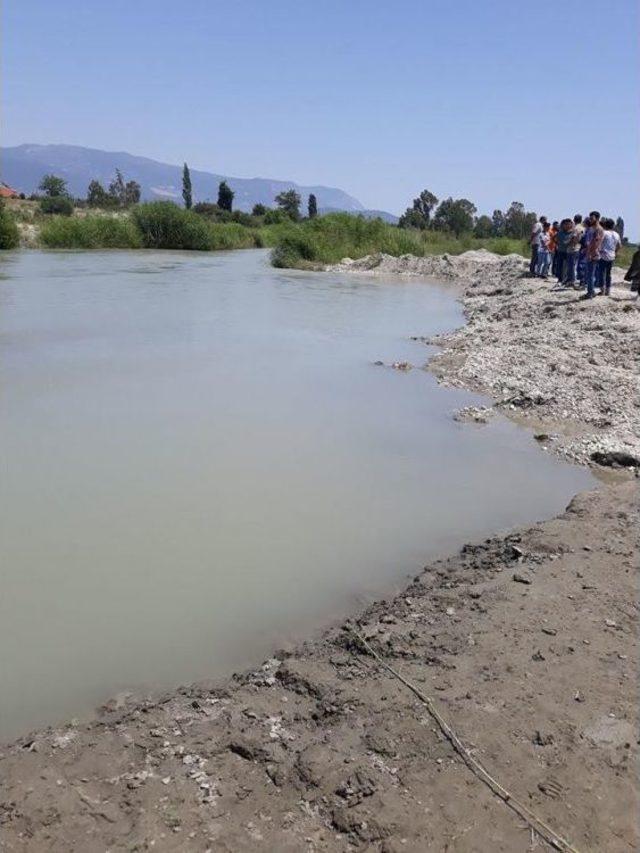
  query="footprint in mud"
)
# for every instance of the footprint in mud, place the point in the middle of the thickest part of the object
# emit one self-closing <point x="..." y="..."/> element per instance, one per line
<point x="551" y="788"/>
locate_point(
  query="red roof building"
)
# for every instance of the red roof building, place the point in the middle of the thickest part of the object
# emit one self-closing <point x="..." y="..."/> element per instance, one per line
<point x="8" y="192"/>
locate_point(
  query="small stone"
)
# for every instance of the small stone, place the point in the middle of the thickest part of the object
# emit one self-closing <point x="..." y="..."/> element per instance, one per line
<point x="610" y="623"/>
<point x="518" y="578"/>
<point x="550" y="631"/>
<point x="541" y="739"/>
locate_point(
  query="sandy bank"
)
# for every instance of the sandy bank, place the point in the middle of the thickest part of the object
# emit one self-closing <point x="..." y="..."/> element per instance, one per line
<point x="526" y="643"/>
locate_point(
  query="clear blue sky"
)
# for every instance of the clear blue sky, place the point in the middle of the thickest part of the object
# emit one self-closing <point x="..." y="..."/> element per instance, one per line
<point x="495" y="101"/>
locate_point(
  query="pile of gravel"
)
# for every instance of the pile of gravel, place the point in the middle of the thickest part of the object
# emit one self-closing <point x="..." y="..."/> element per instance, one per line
<point x="464" y="266"/>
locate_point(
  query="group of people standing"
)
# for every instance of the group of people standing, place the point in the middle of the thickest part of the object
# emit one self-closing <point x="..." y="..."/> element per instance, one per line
<point x="578" y="253"/>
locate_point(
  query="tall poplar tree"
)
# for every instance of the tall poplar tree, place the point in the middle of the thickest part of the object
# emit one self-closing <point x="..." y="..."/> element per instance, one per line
<point x="187" y="193"/>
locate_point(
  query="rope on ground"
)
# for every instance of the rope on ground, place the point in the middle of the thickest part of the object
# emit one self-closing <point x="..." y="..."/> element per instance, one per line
<point x="533" y="821"/>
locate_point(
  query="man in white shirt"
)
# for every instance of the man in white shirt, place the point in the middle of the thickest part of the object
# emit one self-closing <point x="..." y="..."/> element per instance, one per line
<point x="534" y="241"/>
<point x="609" y="248"/>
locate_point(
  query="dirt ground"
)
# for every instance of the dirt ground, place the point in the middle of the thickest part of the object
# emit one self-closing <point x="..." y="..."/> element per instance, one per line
<point x="527" y="644"/>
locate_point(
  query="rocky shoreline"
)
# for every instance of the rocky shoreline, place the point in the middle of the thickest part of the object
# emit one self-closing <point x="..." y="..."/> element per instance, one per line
<point x="525" y="642"/>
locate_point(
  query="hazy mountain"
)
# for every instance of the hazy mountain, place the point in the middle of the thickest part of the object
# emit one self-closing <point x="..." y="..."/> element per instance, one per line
<point x="23" y="166"/>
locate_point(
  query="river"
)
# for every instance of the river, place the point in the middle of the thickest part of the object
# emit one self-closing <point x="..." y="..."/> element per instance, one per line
<point x="201" y="463"/>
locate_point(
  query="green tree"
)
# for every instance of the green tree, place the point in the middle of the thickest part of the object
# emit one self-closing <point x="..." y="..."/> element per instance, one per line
<point x="225" y="196"/>
<point x="9" y="234"/>
<point x="118" y="190"/>
<point x="259" y="210"/>
<point x="419" y="214"/>
<point x="498" y="223"/>
<point x="187" y="192"/>
<point x="312" y="206"/>
<point x="51" y="186"/>
<point x="289" y="202"/>
<point x="518" y="222"/>
<point x="455" y="215"/>
<point x="412" y="218"/>
<point x="97" y="196"/>
<point x="132" y="193"/>
<point x="483" y="227"/>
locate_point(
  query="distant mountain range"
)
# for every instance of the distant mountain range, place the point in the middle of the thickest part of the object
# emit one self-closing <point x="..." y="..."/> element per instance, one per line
<point x="23" y="166"/>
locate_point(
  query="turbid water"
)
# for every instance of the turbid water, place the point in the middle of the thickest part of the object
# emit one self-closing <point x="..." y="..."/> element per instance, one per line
<point x="200" y="462"/>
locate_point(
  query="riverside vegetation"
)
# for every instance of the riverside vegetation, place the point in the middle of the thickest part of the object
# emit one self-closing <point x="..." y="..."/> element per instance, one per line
<point x="114" y="218"/>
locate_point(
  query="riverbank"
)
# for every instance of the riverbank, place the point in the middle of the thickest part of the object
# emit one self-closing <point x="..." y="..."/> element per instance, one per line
<point x="566" y="367"/>
<point x="526" y="643"/>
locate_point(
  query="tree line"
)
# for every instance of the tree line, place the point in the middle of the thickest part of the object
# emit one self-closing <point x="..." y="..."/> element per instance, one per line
<point x="56" y="198"/>
<point x="122" y="194"/>
<point x="288" y="202"/>
<point x="458" y="216"/>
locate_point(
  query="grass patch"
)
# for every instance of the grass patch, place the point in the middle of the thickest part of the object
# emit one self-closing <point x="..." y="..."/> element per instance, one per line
<point x="231" y="235"/>
<point x="626" y="253"/>
<point x="330" y="238"/>
<point x="9" y="234"/>
<point x="90" y="232"/>
<point x="158" y="225"/>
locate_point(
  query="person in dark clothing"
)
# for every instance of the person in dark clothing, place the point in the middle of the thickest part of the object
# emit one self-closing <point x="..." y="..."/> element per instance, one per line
<point x="633" y="273"/>
<point x="564" y="242"/>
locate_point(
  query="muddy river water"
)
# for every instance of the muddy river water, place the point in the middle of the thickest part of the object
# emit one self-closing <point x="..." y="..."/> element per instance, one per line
<point x="200" y="462"/>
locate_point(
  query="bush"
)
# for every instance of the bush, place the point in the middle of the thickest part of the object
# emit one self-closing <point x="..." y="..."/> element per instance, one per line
<point x="243" y="218"/>
<point x="90" y="232"/>
<point x="276" y="217"/>
<point x="60" y="205"/>
<point x="164" y="225"/>
<point x="206" y="208"/>
<point x="9" y="234"/>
